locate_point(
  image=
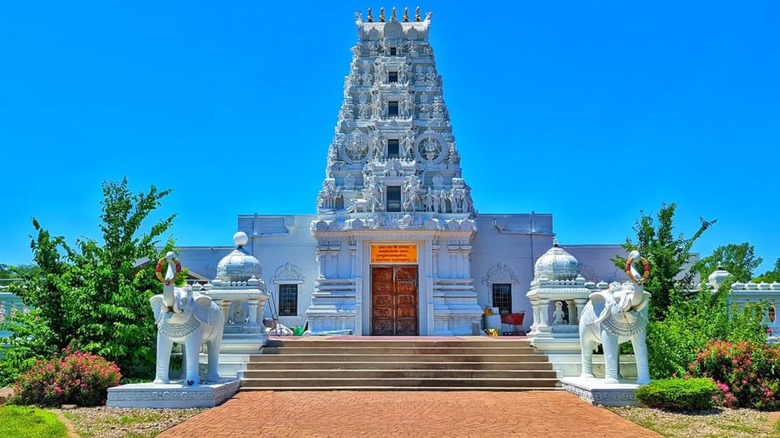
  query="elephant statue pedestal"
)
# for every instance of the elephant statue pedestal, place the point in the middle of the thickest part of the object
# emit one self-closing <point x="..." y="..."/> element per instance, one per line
<point x="596" y="392"/>
<point x="171" y="395"/>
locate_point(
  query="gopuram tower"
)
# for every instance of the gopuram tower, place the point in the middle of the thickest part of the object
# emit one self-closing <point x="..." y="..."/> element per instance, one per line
<point x="395" y="218"/>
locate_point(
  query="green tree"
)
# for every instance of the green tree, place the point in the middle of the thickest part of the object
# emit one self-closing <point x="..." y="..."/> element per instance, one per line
<point x="739" y="260"/>
<point x="93" y="296"/>
<point x="18" y="271"/>
<point x="668" y="256"/>
<point x="770" y="276"/>
<point x="690" y="324"/>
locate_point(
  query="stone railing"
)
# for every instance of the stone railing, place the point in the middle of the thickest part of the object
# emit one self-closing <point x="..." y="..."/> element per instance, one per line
<point x="745" y="293"/>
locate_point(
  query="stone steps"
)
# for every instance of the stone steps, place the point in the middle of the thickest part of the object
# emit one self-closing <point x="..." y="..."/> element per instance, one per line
<point x="399" y="357"/>
<point x="390" y="350"/>
<point x="401" y="388"/>
<point x="383" y="365"/>
<point x="398" y="364"/>
<point x="390" y="342"/>
<point x="398" y="373"/>
<point x="398" y="382"/>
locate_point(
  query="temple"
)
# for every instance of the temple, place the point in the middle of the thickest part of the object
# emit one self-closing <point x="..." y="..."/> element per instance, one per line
<point x="397" y="247"/>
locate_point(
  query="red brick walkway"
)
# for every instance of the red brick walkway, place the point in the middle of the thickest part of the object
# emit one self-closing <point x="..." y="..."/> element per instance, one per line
<point x="406" y="414"/>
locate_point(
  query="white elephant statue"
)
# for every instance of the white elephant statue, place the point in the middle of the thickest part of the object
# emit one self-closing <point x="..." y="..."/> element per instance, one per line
<point x="610" y="318"/>
<point x="188" y="318"/>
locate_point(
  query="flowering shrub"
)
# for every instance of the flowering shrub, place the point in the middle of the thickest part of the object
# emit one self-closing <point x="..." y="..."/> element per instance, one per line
<point x="747" y="374"/>
<point x="76" y="378"/>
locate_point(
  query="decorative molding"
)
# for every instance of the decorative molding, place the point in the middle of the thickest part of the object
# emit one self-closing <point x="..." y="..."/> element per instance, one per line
<point x="150" y="395"/>
<point x="500" y="273"/>
<point x="287" y="273"/>
<point x="595" y="392"/>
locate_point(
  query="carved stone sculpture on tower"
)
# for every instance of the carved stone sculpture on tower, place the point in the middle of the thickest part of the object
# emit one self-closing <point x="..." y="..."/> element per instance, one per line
<point x="407" y="146"/>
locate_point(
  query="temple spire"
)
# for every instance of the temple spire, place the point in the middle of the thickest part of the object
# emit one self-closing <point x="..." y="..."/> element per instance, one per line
<point x="394" y="150"/>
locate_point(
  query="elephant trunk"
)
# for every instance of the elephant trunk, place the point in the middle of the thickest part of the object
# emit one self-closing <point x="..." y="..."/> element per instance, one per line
<point x="168" y="298"/>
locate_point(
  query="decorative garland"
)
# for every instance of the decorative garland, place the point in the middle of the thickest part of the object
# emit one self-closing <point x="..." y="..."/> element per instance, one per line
<point x="158" y="271"/>
<point x="176" y="330"/>
<point x="633" y="273"/>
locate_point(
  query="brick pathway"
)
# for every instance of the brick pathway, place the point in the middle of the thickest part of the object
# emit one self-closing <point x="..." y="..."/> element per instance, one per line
<point x="406" y="414"/>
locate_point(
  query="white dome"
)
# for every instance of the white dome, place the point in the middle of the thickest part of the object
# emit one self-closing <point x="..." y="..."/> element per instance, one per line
<point x="239" y="265"/>
<point x="557" y="264"/>
<point x="717" y="277"/>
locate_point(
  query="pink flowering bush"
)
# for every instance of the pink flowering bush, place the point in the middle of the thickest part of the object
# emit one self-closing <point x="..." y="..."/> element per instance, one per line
<point x="76" y="378"/>
<point x="747" y="374"/>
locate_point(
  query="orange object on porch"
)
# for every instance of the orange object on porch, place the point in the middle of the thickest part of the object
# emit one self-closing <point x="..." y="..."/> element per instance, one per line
<point x="514" y="320"/>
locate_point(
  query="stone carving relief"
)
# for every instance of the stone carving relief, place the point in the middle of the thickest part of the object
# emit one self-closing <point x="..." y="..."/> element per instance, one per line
<point x="460" y="197"/>
<point x="347" y="111"/>
<point x="328" y="195"/>
<point x="413" y="195"/>
<point x="393" y="168"/>
<point x="373" y="194"/>
<point x="500" y="273"/>
<point x="287" y="273"/>
<point x="407" y="146"/>
<point x="349" y="182"/>
<point x="453" y="157"/>
<point x="356" y="146"/>
<point x="377" y="146"/>
<point x="438" y="108"/>
<point x="378" y="107"/>
<point x="381" y="72"/>
<point x="407" y="106"/>
<point x="430" y="147"/>
<point x="393" y="30"/>
<point x="403" y="78"/>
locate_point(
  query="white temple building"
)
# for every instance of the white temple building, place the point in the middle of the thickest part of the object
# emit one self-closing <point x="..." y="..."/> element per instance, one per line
<point x="396" y="246"/>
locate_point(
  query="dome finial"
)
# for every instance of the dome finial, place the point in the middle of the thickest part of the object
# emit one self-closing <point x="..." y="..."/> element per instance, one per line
<point x="240" y="239"/>
<point x="555" y="242"/>
<point x="239" y="265"/>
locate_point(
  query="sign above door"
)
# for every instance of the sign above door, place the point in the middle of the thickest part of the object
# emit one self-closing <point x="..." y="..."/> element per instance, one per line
<point x="394" y="254"/>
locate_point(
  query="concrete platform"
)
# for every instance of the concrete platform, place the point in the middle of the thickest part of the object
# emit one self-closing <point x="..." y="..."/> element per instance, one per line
<point x="173" y="395"/>
<point x="596" y="392"/>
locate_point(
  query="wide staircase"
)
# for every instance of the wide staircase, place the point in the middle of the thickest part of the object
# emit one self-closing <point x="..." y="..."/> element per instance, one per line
<point x="390" y="364"/>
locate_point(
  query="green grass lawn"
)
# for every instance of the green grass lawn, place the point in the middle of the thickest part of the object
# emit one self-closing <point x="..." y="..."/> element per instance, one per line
<point x="24" y="422"/>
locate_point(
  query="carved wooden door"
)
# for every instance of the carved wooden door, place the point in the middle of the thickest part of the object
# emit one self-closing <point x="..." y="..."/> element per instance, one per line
<point x="394" y="301"/>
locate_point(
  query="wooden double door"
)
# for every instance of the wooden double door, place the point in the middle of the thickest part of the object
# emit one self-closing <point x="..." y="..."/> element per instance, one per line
<point x="394" y="301"/>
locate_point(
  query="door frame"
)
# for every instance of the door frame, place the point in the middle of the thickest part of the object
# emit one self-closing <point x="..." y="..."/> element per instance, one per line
<point x="371" y="296"/>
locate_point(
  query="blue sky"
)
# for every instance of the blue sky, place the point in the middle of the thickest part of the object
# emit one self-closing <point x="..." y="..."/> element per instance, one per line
<point x="591" y="111"/>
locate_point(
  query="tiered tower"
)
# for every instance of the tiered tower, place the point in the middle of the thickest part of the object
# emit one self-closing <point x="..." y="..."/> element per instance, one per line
<point x="393" y="177"/>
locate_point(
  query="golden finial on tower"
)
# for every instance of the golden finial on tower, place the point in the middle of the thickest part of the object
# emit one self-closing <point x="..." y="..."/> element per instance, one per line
<point x="393" y="17"/>
<point x="416" y="14"/>
<point x="381" y="15"/>
<point x="406" y="15"/>
<point x="371" y="17"/>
